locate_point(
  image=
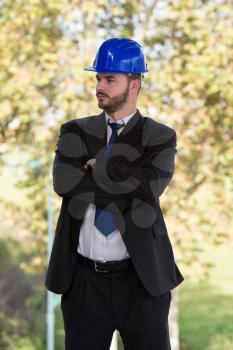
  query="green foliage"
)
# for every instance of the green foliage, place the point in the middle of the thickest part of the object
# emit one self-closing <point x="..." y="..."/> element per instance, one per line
<point x="5" y="256"/>
<point x="22" y="302"/>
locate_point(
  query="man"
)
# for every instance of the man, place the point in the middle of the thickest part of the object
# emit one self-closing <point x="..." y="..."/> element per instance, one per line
<point x="112" y="259"/>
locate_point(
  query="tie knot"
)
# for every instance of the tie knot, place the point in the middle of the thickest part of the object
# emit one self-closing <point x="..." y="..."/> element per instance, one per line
<point x="116" y="126"/>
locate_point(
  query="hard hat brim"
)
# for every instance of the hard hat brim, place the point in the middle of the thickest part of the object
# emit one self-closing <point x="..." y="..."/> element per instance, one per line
<point x="91" y="69"/>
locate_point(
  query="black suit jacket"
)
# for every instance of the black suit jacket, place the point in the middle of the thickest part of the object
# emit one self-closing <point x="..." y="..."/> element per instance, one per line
<point x="129" y="183"/>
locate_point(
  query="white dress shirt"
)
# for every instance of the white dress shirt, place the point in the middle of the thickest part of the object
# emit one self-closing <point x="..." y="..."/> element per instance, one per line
<point x="92" y="243"/>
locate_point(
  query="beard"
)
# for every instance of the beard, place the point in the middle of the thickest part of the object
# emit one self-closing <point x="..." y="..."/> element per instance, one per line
<point x="115" y="103"/>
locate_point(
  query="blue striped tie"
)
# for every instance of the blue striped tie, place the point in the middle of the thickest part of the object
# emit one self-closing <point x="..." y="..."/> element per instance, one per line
<point x="104" y="220"/>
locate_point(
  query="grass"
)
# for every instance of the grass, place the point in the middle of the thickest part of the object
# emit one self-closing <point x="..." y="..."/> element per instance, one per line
<point x="206" y="309"/>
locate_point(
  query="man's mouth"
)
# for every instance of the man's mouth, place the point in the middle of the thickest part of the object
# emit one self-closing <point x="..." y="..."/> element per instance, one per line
<point x="101" y="95"/>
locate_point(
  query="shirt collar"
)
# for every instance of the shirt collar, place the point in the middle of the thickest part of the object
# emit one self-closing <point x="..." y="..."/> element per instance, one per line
<point x="124" y="120"/>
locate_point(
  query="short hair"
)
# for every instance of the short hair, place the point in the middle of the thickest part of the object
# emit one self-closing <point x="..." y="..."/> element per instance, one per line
<point x="134" y="76"/>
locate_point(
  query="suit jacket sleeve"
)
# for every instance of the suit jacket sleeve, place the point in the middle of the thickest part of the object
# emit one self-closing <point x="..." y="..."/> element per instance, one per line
<point x="147" y="177"/>
<point x="116" y="179"/>
<point x="70" y="178"/>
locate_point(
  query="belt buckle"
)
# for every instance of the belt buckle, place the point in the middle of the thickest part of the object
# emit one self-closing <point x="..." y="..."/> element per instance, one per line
<point x="96" y="268"/>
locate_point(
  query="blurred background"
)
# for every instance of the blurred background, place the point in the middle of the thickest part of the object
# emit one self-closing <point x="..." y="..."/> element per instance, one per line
<point x="189" y="47"/>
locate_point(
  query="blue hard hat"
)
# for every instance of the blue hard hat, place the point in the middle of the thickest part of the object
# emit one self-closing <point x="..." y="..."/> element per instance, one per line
<point x="119" y="55"/>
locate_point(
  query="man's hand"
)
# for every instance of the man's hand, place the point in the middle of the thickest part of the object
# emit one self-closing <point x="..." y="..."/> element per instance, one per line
<point x="91" y="163"/>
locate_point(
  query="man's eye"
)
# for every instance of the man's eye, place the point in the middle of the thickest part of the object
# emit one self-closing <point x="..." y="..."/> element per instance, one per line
<point x="110" y="80"/>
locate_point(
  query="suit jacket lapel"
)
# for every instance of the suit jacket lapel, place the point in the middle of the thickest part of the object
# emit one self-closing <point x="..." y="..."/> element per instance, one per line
<point x="132" y="129"/>
<point x="96" y="134"/>
<point x="96" y="128"/>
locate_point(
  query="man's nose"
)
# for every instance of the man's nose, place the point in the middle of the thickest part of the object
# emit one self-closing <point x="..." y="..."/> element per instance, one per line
<point x="100" y="87"/>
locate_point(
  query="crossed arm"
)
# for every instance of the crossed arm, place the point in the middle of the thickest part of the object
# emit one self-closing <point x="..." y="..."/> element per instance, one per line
<point x="119" y="178"/>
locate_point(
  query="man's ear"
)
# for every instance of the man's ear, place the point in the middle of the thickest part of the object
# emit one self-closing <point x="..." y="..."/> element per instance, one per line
<point x="135" y="84"/>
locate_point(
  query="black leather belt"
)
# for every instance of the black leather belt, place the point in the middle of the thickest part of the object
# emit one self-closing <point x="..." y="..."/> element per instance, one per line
<point x="105" y="266"/>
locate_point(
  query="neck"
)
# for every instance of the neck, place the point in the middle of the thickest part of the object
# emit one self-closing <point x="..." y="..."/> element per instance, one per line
<point x="124" y="112"/>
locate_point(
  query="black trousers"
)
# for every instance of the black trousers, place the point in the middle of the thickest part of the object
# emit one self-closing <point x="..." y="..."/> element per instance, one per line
<point x="98" y="303"/>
